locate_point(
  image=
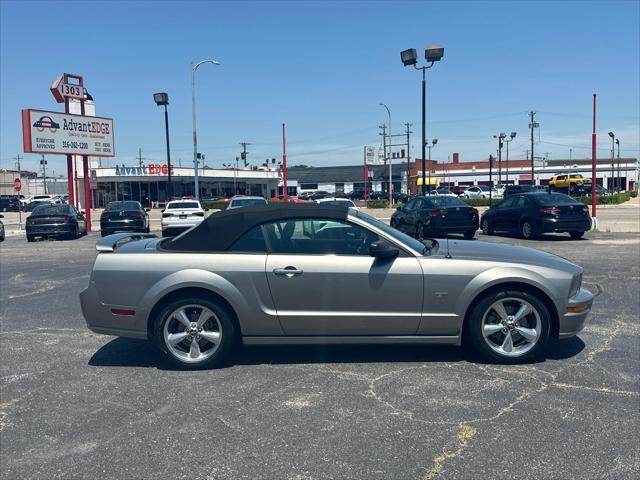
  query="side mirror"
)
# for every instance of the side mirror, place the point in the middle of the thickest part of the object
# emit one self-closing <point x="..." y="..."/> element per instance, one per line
<point x="82" y="212"/>
<point x="382" y="249"/>
<point x="206" y="209"/>
<point x="147" y="209"/>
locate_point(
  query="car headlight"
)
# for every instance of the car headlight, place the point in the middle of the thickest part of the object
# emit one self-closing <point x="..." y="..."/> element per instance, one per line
<point x="576" y="284"/>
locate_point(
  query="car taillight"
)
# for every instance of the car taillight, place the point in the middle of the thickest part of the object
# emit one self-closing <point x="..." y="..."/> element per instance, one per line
<point x="198" y="214"/>
<point x="67" y="218"/>
<point x="435" y="213"/>
<point x="135" y="214"/>
<point x="549" y="210"/>
<point x="165" y="215"/>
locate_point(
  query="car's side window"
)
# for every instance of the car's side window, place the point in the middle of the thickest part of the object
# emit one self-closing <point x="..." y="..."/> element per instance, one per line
<point x="410" y="205"/>
<point x="250" y="242"/>
<point x="507" y="203"/>
<point x="319" y="237"/>
<point x="522" y="202"/>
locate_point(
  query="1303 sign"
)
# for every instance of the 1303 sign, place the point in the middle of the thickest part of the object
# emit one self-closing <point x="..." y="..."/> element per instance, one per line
<point x="71" y="91"/>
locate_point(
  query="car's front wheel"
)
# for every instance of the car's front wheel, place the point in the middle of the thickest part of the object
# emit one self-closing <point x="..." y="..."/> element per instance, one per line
<point x="469" y="234"/>
<point x="576" y="235"/>
<point x="195" y="333"/>
<point x="528" y="230"/>
<point x="509" y="327"/>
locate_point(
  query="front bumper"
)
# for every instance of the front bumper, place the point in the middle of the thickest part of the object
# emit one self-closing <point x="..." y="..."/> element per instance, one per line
<point x="100" y="319"/>
<point x="572" y="322"/>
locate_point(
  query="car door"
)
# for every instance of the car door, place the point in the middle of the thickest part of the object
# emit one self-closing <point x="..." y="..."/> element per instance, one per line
<point x="324" y="282"/>
<point x="513" y="212"/>
<point x="502" y="212"/>
<point x="402" y="216"/>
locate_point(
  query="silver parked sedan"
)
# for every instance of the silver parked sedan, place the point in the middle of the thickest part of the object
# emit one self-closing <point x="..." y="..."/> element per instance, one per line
<point x="285" y="274"/>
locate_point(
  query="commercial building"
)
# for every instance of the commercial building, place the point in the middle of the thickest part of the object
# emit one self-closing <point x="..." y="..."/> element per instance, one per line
<point x="148" y="183"/>
<point x="345" y="179"/>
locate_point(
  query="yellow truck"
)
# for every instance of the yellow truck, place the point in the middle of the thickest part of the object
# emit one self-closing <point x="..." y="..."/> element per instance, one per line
<point x="569" y="181"/>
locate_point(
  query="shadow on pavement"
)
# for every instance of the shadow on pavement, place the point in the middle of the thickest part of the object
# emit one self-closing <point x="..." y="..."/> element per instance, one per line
<point x="126" y="352"/>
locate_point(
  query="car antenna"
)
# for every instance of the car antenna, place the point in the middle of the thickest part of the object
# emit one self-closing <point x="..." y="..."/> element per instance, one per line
<point x="446" y="236"/>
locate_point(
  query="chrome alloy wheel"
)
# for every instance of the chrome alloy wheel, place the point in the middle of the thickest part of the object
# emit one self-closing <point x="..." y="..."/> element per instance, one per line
<point x="192" y="333"/>
<point x="511" y="327"/>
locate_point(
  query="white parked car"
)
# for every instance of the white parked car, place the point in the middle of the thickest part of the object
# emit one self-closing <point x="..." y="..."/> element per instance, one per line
<point x="181" y="215"/>
<point x="245" y="200"/>
<point x="443" y="192"/>
<point x="480" y="191"/>
<point x="337" y="202"/>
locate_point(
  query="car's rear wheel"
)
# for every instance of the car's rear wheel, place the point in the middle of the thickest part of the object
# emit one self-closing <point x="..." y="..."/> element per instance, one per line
<point x="469" y="234"/>
<point x="576" y="235"/>
<point x="528" y="230"/>
<point x="509" y="327"/>
<point x="487" y="228"/>
<point x="195" y="333"/>
<point x="30" y="238"/>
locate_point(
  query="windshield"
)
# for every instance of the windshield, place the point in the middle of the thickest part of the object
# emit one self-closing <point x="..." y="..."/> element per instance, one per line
<point x="401" y="237"/>
<point x="245" y="202"/>
<point x="119" y="206"/>
<point x="339" y="203"/>
<point x="183" y="205"/>
<point x="49" y="209"/>
<point x="443" y="190"/>
<point x="554" y="199"/>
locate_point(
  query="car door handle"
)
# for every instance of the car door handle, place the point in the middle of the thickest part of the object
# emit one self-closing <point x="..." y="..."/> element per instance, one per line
<point x="288" y="271"/>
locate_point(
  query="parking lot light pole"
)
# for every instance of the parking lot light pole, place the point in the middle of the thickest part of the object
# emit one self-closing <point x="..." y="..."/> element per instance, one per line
<point x="433" y="53"/>
<point x="512" y="136"/>
<point x="433" y="144"/>
<point x="193" y="115"/>
<point x="385" y="153"/>
<point x="162" y="99"/>
<point x="618" y="176"/>
<point x="500" y="138"/>
<point x="613" y="151"/>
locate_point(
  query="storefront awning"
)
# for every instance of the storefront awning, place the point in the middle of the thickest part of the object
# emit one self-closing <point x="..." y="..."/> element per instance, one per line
<point x="434" y="181"/>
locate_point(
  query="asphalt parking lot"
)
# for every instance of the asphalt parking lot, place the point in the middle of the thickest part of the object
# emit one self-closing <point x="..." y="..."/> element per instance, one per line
<point x="74" y="404"/>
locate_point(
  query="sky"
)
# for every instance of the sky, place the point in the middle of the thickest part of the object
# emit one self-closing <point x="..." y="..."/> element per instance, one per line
<point x="323" y="68"/>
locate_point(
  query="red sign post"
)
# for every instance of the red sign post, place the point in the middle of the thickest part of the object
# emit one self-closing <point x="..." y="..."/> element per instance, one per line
<point x="17" y="184"/>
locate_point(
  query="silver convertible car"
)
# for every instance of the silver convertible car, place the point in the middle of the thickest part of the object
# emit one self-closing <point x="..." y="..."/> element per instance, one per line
<point x="307" y="273"/>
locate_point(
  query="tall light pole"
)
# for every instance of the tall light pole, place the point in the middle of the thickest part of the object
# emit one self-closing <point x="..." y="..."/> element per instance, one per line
<point x="162" y="99"/>
<point x="193" y="114"/>
<point x="500" y="138"/>
<point x="390" y="192"/>
<point x="433" y="144"/>
<point x="618" y="176"/>
<point x="433" y="53"/>
<point x="613" y="153"/>
<point x="512" y="136"/>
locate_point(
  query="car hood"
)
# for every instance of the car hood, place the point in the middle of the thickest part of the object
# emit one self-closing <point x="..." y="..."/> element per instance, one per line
<point x="500" y="252"/>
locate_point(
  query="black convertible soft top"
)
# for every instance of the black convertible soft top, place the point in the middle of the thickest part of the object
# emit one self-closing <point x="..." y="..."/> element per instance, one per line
<point x="221" y="230"/>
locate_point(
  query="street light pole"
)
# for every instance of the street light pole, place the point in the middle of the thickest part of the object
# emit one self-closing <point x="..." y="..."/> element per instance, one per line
<point x="613" y="153"/>
<point x="193" y="116"/>
<point x="617" y="143"/>
<point x="390" y="170"/>
<point x="166" y="129"/>
<point x="432" y="54"/>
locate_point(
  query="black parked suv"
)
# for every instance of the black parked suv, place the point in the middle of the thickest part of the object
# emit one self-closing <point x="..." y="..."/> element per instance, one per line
<point x="432" y="216"/>
<point x="533" y="213"/>
<point x="124" y="216"/>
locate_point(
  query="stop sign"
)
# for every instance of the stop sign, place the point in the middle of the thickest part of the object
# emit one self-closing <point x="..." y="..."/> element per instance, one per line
<point x="17" y="185"/>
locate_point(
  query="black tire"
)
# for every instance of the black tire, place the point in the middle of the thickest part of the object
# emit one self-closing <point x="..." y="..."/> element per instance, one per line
<point x="528" y="230"/>
<point x="229" y="338"/>
<point x="469" y="234"/>
<point x="487" y="228"/>
<point x="473" y="327"/>
<point x="576" y="235"/>
<point x="74" y="233"/>
<point x="30" y="238"/>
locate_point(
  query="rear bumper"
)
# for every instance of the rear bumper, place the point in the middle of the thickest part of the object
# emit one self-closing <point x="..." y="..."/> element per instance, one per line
<point x="100" y="319"/>
<point x="62" y="229"/>
<point x="555" y="225"/>
<point x="122" y="225"/>
<point x="572" y="323"/>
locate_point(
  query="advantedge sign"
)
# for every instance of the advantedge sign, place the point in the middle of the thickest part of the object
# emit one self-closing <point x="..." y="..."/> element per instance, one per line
<point x="66" y="134"/>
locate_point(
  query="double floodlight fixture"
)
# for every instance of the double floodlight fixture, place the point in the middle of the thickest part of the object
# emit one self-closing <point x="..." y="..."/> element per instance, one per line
<point x="617" y="141"/>
<point x="433" y="53"/>
<point x="434" y="141"/>
<point x="611" y="134"/>
<point x="513" y="135"/>
<point x="161" y="98"/>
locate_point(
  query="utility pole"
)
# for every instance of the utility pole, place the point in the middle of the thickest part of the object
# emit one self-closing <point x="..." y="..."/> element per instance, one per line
<point x="243" y="155"/>
<point x="140" y="157"/>
<point x="618" y="180"/>
<point x="383" y="127"/>
<point x="532" y="125"/>
<point x="408" y="132"/>
<point x="43" y="162"/>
